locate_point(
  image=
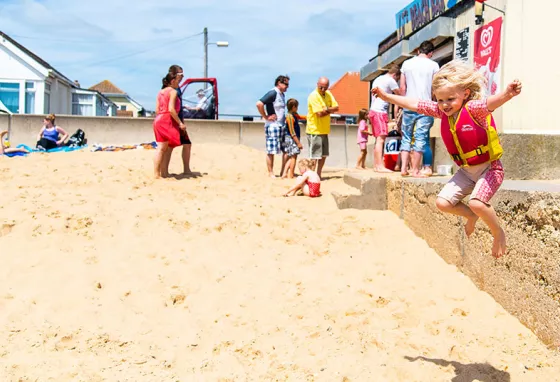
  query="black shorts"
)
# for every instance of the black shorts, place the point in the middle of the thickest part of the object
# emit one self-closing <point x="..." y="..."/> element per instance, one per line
<point x="46" y="144"/>
<point x="185" y="140"/>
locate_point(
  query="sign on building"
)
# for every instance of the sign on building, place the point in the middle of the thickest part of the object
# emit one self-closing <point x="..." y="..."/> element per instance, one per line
<point x="419" y="13"/>
<point x="487" y="41"/>
<point x="462" y="45"/>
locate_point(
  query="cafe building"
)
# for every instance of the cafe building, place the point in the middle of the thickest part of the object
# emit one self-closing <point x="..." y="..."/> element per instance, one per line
<point x="505" y="39"/>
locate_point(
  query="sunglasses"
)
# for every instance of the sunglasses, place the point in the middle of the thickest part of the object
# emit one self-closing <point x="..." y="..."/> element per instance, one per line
<point x="322" y="87"/>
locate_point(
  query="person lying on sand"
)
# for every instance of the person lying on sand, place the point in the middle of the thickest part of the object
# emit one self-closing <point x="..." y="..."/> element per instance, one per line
<point x="309" y="183"/>
<point x="8" y="150"/>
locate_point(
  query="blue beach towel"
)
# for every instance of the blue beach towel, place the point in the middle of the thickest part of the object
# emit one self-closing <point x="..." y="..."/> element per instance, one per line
<point x="31" y="150"/>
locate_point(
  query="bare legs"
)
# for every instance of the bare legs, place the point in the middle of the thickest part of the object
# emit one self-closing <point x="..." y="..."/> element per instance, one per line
<point x="361" y="163"/>
<point x="416" y="163"/>
<point x="159" y="170"/>
<point x="270" y="165"/>
<point x="320" y="164"/>
<point x="283" y="167"/>
<point x="477" y="209"/>
<point x="290" y="167"/>
<point x="405" y="155"/>
<point x="4" y="150"/>
<point x="488" y="215"/>
<point x="378" y="155"/>
<point x="166" y="160"/>
<point x="186" y="156"/>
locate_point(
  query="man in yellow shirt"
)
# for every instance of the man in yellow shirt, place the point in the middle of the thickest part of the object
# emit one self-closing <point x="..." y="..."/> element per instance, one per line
<point x="320" y="105"/>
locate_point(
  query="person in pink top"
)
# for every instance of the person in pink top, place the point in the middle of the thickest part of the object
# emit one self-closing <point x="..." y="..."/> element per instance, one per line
<point x="362" y="138"/>
<point x="309" y="182"/>
<point x="469" y="134"/>
<point x="167" y="125"/>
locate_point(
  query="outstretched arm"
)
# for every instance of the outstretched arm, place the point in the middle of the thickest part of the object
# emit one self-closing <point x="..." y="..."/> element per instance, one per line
<point x="301" y="181"/>
<point x="497" y="100"/>
<point x="404" y="102"/>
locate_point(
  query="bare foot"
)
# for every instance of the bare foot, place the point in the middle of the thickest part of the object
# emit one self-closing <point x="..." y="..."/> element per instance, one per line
<point x="418" y="174"/>
<point x="382" y="169"/>
<point x="470" y="225"/>
<point x="272" y="176"/>
<point x="499" y="245"/>
<point x="426" y="171"/>
<point x="405" y="173"/>
<point x="360" y="168"/>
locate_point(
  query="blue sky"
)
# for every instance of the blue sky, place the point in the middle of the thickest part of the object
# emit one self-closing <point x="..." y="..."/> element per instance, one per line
<point x="132" y="43"/>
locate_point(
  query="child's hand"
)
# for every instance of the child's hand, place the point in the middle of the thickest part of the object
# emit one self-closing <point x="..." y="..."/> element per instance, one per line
<point x="514" y="88"/>
<point x="379" y="93"/>
<point x="300" y="146"/>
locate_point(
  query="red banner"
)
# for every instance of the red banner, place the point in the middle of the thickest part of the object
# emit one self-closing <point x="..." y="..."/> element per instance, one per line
<point x="487" y="42"/>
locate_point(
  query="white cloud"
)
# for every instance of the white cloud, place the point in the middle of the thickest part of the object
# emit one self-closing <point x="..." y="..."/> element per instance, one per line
<point x="96" y="40"/>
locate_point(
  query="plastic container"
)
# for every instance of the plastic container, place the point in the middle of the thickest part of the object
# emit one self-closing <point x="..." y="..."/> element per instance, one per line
<point x="445" y="169"/>
<point x="391" y="152"/>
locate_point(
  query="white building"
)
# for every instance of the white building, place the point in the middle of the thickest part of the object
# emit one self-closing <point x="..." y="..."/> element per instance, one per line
<point x="30" y="85"/>
<point x="517" y="35"/>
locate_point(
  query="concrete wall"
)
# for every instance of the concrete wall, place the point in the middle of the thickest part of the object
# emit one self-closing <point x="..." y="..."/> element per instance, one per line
<point x="526" y="156"/>
<point x="526" y="281"/>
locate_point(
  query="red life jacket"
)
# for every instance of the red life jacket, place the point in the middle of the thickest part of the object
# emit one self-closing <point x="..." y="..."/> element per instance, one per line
<point x="467" y="142"/>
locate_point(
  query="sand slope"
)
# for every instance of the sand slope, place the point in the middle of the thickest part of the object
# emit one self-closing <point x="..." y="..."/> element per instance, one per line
<point x="108" y="275"/>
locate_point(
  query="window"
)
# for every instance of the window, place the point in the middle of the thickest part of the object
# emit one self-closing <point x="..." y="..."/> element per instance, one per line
<point x="29" y="98"/>
<point x="123" y="107"/>
<point x="47" y="104"/>
<point x="82" y="104"/>
<point x="9" y="96"/>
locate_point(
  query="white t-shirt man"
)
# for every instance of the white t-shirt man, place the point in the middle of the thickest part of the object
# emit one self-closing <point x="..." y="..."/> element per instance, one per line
<point x="419" y="72"/>
<point x="388" y="84"/>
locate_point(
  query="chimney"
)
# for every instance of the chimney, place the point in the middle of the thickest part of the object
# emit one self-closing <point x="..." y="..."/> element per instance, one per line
<point x="77" y="83"/>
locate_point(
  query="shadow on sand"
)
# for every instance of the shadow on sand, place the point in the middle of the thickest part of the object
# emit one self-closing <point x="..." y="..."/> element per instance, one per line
<point x="192" y="175"/>
<point x="470" y="372"/>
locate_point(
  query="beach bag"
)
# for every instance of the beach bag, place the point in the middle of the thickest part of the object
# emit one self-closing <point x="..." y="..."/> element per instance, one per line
<point x="77" y="139"/>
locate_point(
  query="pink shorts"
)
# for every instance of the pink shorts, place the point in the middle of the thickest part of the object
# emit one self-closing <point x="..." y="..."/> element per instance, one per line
<point x="380" y="122"/>
<point x="363" y="145"/>
<point x="480" y="181"/>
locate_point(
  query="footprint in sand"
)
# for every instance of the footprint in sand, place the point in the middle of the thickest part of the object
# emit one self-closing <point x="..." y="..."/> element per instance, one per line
<point x="7" y="228"/>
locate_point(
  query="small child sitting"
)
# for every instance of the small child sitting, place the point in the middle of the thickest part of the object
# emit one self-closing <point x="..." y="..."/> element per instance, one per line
<point x="309" y="182"/>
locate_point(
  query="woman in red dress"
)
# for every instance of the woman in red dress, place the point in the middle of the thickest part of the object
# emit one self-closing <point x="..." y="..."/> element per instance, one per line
<point x="167" y="125"/>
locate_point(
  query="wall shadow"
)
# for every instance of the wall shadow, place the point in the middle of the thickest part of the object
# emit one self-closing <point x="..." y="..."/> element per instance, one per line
<point x="469" y="372"/>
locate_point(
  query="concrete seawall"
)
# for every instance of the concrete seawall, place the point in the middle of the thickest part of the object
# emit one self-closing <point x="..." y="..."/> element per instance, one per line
<point x="526" y="281"/>
<point x="525" y="157"/>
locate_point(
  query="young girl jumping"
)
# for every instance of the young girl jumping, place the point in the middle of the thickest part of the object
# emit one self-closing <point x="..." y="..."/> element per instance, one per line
<point x="469" y="134"/>
<point x="309" y="182"/>
<point x="363" y="135"/>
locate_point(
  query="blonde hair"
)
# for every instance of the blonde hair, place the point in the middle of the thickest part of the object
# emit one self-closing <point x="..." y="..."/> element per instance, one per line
<point x="457" y="73"/>
<point x="307" y="163"/>
<point x="50" y="117"/>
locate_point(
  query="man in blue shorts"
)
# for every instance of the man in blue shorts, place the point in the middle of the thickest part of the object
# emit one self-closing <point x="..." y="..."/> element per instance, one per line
<point x="272" y="108"/>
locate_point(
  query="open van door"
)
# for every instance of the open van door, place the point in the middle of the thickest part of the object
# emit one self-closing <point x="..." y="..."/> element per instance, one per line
<point x="200" y="98"/>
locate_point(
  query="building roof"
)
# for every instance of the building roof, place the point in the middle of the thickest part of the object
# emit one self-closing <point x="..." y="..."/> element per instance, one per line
<point x="38" y="59"/>
<point x="107" y="87"/>
<point x="350" y="93"/>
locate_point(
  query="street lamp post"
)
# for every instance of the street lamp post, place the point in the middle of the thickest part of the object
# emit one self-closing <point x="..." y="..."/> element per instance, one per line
<point x="220" y="44"/>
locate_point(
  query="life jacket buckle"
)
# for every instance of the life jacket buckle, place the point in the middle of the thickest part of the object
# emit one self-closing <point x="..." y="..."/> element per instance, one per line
<point x="478" y="150"/>
<point x="456" y="157"/>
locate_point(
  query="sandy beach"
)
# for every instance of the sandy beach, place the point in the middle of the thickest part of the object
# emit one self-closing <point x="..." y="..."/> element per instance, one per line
<point x="109" y="275"/>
